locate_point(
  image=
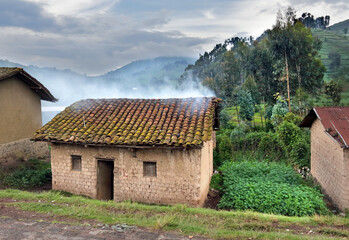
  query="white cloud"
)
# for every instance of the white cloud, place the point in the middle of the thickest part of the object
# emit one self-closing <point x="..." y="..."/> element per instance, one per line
<point x="95" y="36"/>
<point x="75" y="7"/>
<point x="209" y="14"/>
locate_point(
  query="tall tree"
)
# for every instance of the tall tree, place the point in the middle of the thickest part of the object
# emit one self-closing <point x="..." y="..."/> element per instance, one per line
<point x="281" y="42"/>
<point x="292" y="42"/>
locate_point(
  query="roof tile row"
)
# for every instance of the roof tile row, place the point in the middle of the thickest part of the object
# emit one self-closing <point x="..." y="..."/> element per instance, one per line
<point x="166" y="122"/>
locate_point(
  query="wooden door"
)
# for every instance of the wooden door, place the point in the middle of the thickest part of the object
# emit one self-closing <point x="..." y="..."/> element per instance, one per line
<point x="105" y="181"/>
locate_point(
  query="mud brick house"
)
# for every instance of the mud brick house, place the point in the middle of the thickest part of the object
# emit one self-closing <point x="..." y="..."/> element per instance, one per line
<point x="146" y="150"/>
<point x="20" y="109"/>
<point x="330" y="151"/>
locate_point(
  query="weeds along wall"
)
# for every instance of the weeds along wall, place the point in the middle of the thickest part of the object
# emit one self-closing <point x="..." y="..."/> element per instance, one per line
<point x="330" y="165"/>
<point x="182" y="176"/>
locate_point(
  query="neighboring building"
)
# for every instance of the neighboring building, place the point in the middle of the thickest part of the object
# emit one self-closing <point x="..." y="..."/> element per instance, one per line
<point x="329" y="151"/>
<point x="20" y="108"/>
<point x="147" y="150"/>
<point x="20" y="104"/>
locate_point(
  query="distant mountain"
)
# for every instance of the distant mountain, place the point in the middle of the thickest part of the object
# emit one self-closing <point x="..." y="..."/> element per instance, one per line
<point x="144" y="75"/>
<point x="140" y="79"/>
<point x="153" y="73"/>
<point x="341" y="27"/>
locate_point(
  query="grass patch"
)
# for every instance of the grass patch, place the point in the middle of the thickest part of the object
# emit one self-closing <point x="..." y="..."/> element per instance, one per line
<point x="189" y="221"/>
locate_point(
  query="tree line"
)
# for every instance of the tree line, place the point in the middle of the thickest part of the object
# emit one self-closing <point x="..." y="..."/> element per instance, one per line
<point x="284" y="61"/>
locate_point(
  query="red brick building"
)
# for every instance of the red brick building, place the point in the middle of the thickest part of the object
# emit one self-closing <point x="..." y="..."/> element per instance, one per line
<point x="330" y="151"/>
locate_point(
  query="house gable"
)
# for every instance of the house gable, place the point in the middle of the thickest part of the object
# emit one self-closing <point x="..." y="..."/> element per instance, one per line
<point x="31" y="82"/>
<point x="335" y="121"/>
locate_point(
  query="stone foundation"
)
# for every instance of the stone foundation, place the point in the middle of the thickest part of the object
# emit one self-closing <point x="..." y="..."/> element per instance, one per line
<point x="22" y="150"/>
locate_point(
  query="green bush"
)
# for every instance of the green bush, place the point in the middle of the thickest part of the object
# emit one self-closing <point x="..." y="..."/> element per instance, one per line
<point x="270" y="146"/>
<point x="295" y="142"/>
<point x="273" y="197"/>
<point x="237" y="136"/>
<point x="252" y="140"/>
<point x="258" y="171"/>
<point x="300" y="152"/>
<point x="292" y="118"/>
<point x="223" y="151"/>
<point x="267" y="187"/>
<point x="33" y="174"/>
<point x="287" y="132"/>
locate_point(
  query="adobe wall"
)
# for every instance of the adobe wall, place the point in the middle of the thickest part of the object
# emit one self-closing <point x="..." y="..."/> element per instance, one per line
<point x="346" y="180"/>
<point x="20" y="109"/>
<point x="206" y="170"/>
<point x="14" y="152"/>
<point x="327" y="165"/>
<point x="178" y="177"/>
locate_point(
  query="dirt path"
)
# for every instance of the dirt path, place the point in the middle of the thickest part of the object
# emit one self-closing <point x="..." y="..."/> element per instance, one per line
<point x="16" y="224"/>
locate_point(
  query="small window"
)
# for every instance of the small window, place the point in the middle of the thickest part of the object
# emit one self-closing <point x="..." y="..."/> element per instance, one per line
<point x="76" y="162"/>
<point x="149" y="169"/>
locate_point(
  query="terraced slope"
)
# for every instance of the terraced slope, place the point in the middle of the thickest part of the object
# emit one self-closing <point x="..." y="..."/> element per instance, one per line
<point x="333" y="42"/>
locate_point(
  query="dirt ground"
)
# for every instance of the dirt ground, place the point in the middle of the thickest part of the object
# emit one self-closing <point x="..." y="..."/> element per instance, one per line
<point x="17" y="224"/>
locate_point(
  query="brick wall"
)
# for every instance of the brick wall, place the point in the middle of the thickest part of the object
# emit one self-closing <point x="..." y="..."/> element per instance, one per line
<point x="346" y="179"/>
<point x="327" y="165"/>
<point x="183" y="176"/>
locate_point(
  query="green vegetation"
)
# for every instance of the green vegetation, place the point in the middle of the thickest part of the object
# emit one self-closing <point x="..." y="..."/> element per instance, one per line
<point x="184" y="220"/>
<point x="33" y="173"/>
<point x="333" y="42"/>
<point x="282" y="141"/>
<point x="335" y="56"/>
<point x="285" y="60"/>
<point x="269" y="188"/>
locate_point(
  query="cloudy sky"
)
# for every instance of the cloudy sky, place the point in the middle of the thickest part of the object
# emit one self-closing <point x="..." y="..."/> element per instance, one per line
<point x="96" y="36"/>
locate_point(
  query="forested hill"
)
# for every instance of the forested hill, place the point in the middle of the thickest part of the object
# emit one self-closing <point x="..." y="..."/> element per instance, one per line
<point x="341" y="27"/>
<point x="335" y="49"/>
<point x="141" y="78"/>
<point x="288" y="62"/>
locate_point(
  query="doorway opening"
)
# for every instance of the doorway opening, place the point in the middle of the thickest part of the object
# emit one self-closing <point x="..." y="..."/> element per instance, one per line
<point x="105" y="179"/>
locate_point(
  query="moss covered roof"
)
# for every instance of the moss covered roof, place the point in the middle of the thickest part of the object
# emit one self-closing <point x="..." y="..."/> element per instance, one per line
<point x="177" y="122"/>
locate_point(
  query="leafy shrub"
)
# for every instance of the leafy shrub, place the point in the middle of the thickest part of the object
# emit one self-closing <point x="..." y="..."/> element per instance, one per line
<point x="295" y="142"/>
<point x="237" y="136"/>
<point x="33" y="174"/>
<point x="270" y="145"/>
<point x="287" y="132"/>
<point x="258" y="171"/>
<point x="223" y="151"/>
<point x="253" y="139"/>
<point x="225" y="119"/>
<point x="267" y="187"/>
<point x="279" y="111"/>
<point x="273" y="197"/>
<point x="268" y="112"/>
<point x="292" y="118"/>
<point x="300" y="152"/>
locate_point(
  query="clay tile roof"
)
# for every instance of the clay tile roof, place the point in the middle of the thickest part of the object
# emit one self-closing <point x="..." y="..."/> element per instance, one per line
<point x="174" y="122"/>
<point x="335" y="121"/>
<point x="33" y="84"/>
